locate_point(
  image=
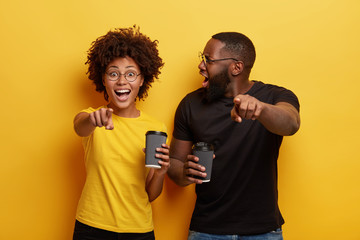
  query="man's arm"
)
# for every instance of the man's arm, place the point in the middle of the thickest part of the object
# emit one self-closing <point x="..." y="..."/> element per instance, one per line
<point x="183" y="165"/>
<point x="282" y="118"/>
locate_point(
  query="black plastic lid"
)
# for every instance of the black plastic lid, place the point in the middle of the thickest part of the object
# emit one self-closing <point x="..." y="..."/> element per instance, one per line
<point x="203" y="146"/>
<point x="156" y="133"/>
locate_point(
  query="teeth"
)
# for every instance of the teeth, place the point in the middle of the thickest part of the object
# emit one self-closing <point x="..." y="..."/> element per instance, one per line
<point x="123" y="91"/>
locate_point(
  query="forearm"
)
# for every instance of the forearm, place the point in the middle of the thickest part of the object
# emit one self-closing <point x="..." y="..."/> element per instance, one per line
<point x="179" y="150"/>
<point x="282" y="119"/>
<point x="155" y="186"/>
<point x="82" y="124"/>
<point x="176" y="172"/>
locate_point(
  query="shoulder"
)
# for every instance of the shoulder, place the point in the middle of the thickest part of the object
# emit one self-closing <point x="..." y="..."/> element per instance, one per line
<point x="274" y="94"/>
<point x="145" y="116"/>
<point x="91" y="109"/>
<point x="269" y="88"/>
<point x="198" y="93"/>
<point x="152" y="121"/>
<point x="194" y="96"/>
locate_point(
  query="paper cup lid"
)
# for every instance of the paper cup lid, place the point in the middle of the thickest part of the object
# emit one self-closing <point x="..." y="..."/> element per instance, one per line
<point x="203" y="146"/>
<point x="156" y="133"/>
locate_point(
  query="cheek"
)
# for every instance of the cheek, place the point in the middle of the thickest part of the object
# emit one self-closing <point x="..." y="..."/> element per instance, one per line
<point x="136" y="87"/>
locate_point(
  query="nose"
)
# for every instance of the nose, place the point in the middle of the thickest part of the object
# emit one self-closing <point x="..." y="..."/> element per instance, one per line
<point x="122" y="80"/>
<point x="202" y="66"/>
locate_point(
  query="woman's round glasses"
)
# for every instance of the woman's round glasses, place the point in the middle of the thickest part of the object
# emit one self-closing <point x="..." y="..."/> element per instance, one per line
<point x="114" y="75"/>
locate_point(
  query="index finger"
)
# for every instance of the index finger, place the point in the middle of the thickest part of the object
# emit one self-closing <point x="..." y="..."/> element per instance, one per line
<point x="109" y="112"/>
<point x="109" y="124"/>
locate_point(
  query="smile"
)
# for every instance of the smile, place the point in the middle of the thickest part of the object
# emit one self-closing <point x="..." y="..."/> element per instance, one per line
<point x="122" y="94"/>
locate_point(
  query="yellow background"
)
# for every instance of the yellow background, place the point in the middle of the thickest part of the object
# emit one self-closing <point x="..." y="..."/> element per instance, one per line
<point x="311" y="47"/>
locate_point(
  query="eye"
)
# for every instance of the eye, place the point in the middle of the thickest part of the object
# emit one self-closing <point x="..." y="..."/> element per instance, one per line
<point x="113" y="74"/>
<point x="208" y="59"/>
<point x="131" y="74"/>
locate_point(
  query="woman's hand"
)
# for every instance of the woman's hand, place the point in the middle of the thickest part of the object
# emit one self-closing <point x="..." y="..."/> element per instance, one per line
<point x="102" y="118"/>
<point x="165" y="160"/>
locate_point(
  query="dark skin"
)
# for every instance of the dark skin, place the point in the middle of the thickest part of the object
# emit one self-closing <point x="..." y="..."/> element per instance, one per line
<point x="85" y="123"/>
<point x="282" y="118"/>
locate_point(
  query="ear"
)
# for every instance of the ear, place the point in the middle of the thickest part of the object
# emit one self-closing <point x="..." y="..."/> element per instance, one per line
<point x="141" y="81"/>
<point x="237" y="68"/>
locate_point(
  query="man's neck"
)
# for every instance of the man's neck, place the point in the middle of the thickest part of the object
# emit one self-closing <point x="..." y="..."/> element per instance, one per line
<point x="239" y="87"/>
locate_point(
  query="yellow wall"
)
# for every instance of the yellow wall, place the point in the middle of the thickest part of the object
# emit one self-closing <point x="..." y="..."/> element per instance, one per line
<point x="311" y="47"/>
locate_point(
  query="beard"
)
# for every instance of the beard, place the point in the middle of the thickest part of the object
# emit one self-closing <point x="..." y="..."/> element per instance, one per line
<point x="217" y="86"/>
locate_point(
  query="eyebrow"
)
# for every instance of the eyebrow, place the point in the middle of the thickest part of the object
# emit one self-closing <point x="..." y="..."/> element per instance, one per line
<point x="130" y="66"/>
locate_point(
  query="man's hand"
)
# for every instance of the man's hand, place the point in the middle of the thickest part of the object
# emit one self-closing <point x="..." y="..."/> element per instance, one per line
<point x="246" y="107"/>
<point x="193" y="169"/>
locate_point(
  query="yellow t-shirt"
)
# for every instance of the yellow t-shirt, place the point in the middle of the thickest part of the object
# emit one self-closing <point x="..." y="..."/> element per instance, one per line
<point x="114" y="196"/>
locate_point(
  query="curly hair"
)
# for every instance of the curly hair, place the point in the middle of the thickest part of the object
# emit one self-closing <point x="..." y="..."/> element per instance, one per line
<point x="122" y="42"/>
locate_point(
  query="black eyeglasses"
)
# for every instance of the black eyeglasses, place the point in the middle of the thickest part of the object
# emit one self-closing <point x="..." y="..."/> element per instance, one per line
<point x="206" y="59"/>
<point x="114" y="75"/>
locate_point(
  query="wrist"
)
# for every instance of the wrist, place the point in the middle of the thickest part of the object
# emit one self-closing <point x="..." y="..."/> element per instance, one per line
<point x="158" y="173"/>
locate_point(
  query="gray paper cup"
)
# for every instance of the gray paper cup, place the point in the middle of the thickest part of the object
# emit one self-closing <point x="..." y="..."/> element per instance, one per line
<point x="204" y="151"/>
<point x="154" y="139"/>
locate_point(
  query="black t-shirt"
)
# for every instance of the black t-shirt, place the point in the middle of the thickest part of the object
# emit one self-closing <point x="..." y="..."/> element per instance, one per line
<point x="242" y="196"/>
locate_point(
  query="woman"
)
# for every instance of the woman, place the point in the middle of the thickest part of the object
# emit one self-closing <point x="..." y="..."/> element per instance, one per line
<point x="115" y="202"/>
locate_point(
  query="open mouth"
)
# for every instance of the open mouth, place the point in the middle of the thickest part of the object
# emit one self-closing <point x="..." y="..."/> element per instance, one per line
<point x="123" y="94"/>
<point x="205" y="83"/>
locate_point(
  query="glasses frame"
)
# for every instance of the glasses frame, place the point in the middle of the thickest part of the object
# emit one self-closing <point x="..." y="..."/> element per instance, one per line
<point x="206" y="60"/>
<point x="120" y="74"/>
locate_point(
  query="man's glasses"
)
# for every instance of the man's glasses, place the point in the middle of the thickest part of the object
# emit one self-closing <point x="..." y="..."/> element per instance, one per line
<point x="207" y="60"/>
<point x="114" y="75"/>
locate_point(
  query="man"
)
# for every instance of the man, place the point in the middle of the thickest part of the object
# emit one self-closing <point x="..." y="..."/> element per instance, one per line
<point x="245" y="121"/>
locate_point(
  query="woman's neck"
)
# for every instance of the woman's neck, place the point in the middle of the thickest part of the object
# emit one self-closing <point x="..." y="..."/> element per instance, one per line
<point x="130" y="112"/>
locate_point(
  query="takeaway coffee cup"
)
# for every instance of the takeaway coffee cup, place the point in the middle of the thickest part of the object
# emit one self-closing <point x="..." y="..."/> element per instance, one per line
<point x="154" y="139"/>
<point x="204" y="151"/>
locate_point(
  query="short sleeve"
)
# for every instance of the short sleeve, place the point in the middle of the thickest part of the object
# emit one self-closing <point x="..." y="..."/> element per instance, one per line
<point x="182" y="129"/>
<point x="285" y="95"/>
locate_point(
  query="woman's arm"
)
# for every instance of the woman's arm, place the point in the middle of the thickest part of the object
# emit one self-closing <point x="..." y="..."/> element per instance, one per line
<point x="85" y="123"/>
<point x="155" y="178"/>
